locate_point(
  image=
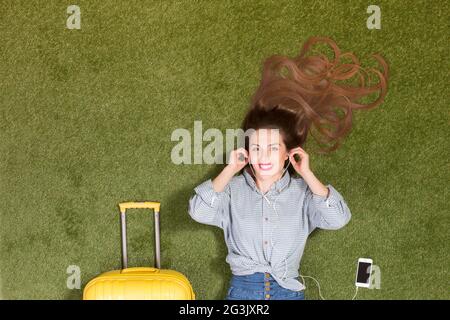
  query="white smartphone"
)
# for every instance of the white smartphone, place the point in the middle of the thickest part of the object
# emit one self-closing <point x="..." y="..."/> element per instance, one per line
<point x="363" y="272"/>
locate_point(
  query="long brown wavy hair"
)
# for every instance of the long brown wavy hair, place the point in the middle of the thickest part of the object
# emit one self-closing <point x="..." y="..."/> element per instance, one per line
<point x="303" y="94"/>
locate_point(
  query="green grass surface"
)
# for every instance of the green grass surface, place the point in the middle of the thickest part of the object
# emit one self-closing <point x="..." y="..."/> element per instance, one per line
<point x="86" y="118"/>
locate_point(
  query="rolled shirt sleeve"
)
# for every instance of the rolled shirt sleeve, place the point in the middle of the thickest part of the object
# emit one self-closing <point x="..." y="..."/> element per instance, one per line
<point x="324" y="212"/>
<point x="208" y="206"/>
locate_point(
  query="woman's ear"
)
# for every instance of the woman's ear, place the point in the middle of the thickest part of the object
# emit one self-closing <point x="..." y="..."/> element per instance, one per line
<point x="287" y="155"/>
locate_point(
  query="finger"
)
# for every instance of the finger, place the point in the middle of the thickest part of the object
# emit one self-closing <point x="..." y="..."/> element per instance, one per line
<point x="292" y="158"/>
<point x="243" y="157"/>
<point x="300" y="149"/>
<point x="297" y="152"/>
<point x="301" y="154"/>
<point x="295" y="160"/>
<point x="242" y="150"/>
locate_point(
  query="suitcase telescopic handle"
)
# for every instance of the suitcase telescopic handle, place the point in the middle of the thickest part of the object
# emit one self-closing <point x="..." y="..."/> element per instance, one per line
<point x="139" y="205"/>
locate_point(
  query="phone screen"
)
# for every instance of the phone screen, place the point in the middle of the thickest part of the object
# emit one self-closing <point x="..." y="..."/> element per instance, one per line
<point x="364" y="269"/>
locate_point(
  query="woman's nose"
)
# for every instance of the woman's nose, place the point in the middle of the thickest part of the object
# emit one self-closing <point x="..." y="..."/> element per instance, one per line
<point x="265" y="157"/>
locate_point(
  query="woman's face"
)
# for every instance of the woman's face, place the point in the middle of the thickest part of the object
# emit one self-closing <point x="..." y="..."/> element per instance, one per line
<point x="267" y="153"/>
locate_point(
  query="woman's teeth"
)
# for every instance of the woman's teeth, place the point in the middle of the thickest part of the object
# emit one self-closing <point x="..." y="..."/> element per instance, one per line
<point x="265" y="166"/>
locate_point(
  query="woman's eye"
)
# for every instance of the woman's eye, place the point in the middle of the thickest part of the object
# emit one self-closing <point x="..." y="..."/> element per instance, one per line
<point x="275" y="148"/>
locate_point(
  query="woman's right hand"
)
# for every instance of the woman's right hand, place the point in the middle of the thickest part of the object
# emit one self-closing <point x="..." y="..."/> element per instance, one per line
<point x="236" y="161"/>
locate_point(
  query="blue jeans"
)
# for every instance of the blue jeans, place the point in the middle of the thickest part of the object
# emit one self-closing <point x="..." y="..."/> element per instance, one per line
<point x="260" y="286"/>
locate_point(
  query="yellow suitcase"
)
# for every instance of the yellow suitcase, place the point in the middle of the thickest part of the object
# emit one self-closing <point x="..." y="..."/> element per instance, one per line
<point x="139" y="283"/>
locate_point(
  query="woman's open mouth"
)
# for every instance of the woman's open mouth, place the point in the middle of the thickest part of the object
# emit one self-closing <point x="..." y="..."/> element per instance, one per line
<point x="265" y="166"/>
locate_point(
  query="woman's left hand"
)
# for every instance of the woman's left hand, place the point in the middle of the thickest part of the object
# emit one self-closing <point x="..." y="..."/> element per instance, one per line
<point x="301" y="167"/>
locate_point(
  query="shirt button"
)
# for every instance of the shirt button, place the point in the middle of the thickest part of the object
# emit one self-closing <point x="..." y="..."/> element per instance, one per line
<point x="267" y="219"/>
<point x="267" y="296"/>
<point x="265" y="242"/>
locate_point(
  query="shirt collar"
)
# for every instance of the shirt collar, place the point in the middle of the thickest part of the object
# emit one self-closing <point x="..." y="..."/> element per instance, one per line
<point x="277" y="186"/>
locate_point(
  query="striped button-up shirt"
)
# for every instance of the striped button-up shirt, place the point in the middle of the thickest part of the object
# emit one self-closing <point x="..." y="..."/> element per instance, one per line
<point x="267" y="232"/>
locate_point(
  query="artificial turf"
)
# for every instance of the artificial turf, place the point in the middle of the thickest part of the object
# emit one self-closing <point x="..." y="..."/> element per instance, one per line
<point x="87" y="117"/>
